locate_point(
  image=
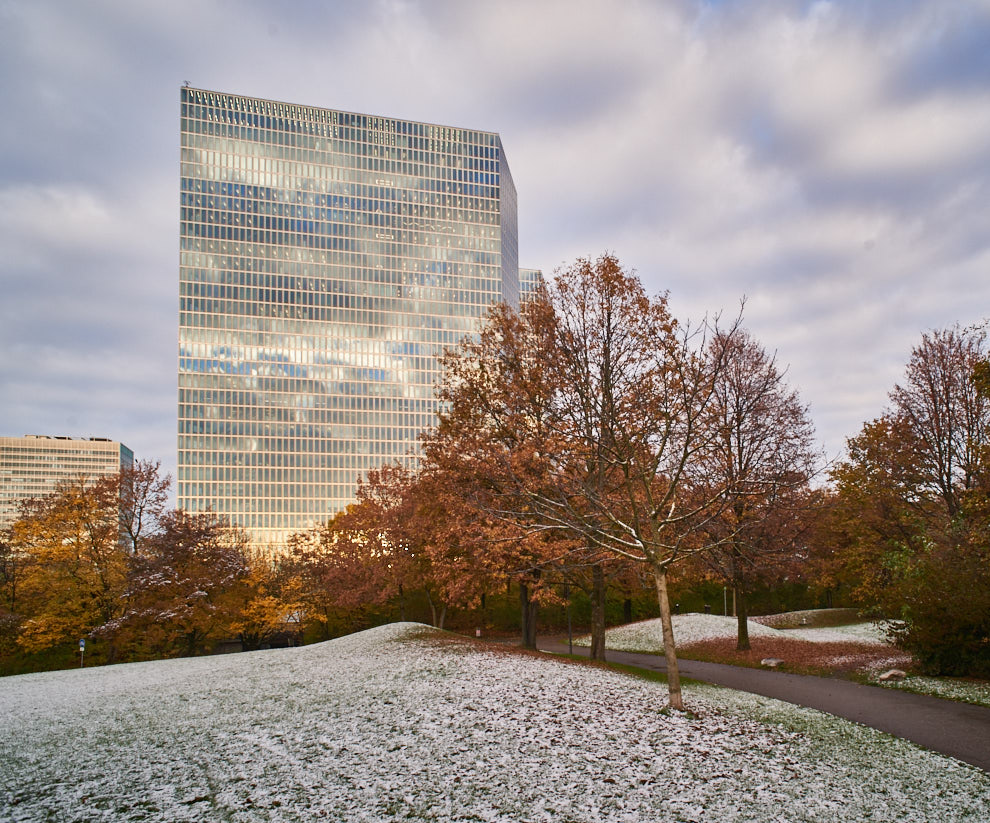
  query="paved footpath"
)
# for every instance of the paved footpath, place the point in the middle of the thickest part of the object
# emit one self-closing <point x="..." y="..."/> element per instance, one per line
<point x="959" y="730"/>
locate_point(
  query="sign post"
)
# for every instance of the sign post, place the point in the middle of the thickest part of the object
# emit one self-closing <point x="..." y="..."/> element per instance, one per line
<point x="82" y="651"/>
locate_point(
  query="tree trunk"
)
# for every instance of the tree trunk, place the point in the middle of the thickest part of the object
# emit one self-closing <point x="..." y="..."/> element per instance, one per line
<point x="402" y="604"/>
<point x="598" y="612"/>
<point x="433" y="609"/>
<point x="669" y="651"/>
<point x="742" y="619"/>
<point x="443" y="615"/>
<point x="529" y="608"/>
<point x="627" y="610"/>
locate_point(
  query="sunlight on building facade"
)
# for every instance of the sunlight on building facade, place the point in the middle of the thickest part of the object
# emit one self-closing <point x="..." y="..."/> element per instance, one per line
<point x="327" y="259"/>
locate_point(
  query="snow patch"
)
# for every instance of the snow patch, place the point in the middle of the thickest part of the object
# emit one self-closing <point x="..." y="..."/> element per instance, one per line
<point x="647" y="635"/>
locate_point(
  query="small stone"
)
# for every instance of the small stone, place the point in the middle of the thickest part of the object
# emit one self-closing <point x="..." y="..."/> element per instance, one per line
<point x="892" y="674"/>
<point x="771" y="662"/>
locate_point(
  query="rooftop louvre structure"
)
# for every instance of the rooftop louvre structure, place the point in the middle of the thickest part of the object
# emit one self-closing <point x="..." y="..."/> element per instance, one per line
<point x="34" y="466"/>
<point x="326" y="260"/>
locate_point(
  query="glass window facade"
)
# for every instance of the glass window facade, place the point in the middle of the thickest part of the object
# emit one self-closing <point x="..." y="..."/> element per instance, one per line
<point x="34" y="465"/>
<point x="326" y="259"/>
<point x="529" y="281"/>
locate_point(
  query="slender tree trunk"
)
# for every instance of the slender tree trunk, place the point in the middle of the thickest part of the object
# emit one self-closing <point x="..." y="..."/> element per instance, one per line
<point x="402" y="604"/>
<point x="669" y="651"/>
<point x="433" y="609"/>
<point x="443" y="615"/>
<point x="529" y="608"/>
<point x="597" y="612"/>
<point x="742" y="618"/>
<point x="627" y="610"/>
<point x="524" y="614"/>
<point x="534" y="608"/>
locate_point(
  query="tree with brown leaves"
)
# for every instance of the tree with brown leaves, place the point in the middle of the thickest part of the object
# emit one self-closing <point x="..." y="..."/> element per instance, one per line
<point x="588" y="413"/>
<point x="764" y="456"/>
<point x="185" y="588"/>
<point x="911" y="511"/>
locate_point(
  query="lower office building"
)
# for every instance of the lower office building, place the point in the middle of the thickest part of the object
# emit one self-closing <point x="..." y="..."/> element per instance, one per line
<point x="530" y="281"/>
<point x="34" y="466"/>
<point x="326" y="260"/>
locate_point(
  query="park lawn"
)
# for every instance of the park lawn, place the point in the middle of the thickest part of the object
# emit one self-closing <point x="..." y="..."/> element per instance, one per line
<point x="859" y="649"/>
<point x="406" y="723"/>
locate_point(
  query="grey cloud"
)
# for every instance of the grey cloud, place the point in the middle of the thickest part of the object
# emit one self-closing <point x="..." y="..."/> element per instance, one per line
<point x="950" y="51"/>
<point x="677" y="135"/>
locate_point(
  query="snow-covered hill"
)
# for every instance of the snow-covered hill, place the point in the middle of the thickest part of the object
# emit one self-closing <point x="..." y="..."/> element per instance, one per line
<point x="402" y="723"/>
<point x="646" y="636"/>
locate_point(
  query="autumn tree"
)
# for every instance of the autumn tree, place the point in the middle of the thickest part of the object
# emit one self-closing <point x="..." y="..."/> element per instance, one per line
<point x="494" y="439"/>
<point x="442" y="546"/>
<point x="911" y="512"/>
<point x="13" y="564"/>
<point x="271" y="602"/>
<point x="343" y="572"/>
<point x="388" y="512"/>
<point x="947" y="415"/>
<point x="184" y="588"/>
<point x="588" y="411"/>
<point x="763" y="456"/>
<point x="74" y="564"/>
<point x="141" y="493"/>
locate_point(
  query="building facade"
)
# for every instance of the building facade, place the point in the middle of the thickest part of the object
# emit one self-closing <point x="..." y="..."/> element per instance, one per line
<point x="529" y="281"/>
<point x="326" y="260"/>
<point x="35" y="465"/>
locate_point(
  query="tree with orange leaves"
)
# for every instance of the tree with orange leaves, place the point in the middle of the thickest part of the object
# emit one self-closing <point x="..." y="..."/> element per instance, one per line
<point x="911" y="508"/>
<point x="343" y="569"/>
<point x="75" y="565"/>
<point x="588" y="413"/>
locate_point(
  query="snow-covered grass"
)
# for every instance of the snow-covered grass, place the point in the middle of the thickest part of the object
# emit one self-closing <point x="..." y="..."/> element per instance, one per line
<point x="953" y="688"/>
<point x="693" y="629"/>
<point x="873" y="634"/>
<point x="689" y="629"/>
<point x="402" y="723"/>
<point x="647" y="636"/>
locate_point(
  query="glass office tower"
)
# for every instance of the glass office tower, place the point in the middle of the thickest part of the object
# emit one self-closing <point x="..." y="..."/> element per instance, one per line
<point x="327" y="258"/>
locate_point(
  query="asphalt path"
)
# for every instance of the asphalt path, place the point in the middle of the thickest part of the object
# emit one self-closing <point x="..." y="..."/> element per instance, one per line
<point x="959" y="730"/>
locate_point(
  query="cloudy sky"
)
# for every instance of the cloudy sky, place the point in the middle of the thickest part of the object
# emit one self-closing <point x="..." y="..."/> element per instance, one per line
<point x="828" y="161"/>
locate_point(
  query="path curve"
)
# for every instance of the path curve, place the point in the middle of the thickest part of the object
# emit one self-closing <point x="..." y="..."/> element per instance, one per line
<point x="960" y="730"/>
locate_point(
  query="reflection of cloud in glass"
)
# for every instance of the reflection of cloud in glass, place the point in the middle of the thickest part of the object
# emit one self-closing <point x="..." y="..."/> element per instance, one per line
<point x="312" y="314"/>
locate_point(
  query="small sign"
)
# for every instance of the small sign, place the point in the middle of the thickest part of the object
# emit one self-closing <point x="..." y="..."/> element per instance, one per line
<point x="82" y="644"/>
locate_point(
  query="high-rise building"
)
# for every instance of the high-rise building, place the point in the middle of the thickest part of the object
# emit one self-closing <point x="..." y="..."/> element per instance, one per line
<point x="327" y="258"/>
<point x="529" y="281"/>
<point x="34" y="465"/>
